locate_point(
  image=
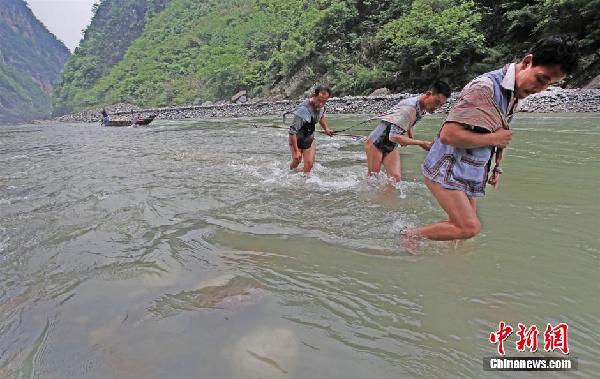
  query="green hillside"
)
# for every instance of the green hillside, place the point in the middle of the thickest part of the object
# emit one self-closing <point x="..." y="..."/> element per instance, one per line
<point x="214" y="49"/>
<point x="210" y="49"/>
<point x="21" y="99"/>
<point x="115" y="25"/>
<point x="31" y="61"/>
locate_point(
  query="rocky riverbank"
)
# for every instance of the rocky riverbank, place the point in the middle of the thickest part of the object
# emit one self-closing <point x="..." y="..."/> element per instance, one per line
<point x="553" y="100"/>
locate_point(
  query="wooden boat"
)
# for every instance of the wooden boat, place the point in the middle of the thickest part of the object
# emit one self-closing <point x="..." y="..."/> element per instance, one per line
<point x="147" y="120"/>
<point x="117" y="123"/>
<point x="141" y="121"/>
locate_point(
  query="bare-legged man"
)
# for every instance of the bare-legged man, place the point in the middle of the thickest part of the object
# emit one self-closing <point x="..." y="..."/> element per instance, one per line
<point x="301" y="134"/>
<point x="456" y="168"/>
<point x="396" y="128"/>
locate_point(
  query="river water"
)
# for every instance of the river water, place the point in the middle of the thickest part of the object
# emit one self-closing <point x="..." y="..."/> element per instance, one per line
<point x="188" y="250"/>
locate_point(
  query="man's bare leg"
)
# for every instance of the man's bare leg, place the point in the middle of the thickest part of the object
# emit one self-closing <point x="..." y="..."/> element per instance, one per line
<point x="309" y="157"/>
<point x="462" y="220"/>
<point x="392" y="165"/>
<point x="374" y="158"/>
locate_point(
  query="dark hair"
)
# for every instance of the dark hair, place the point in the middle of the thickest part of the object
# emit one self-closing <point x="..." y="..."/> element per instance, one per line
<point x="440" y="87"/>
<point x="321" y="88"/>
<point x="557" y="49"/>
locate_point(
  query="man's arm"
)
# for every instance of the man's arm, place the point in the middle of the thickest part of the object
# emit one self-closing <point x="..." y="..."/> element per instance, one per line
<point x="325" y="126"/>
<point x="457" y="135"/>
<point x="398" y="136"/>
<point x="294" y="129"/>
<point x="406" y="140"/>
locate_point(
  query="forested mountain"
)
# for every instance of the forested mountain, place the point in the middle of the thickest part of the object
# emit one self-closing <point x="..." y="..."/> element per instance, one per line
<point x="156" y="53"/>
<point x="31" y="60"/>
<point x="115" y="25"/>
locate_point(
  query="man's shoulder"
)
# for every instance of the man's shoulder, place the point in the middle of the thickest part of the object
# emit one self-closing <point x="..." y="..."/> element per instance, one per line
<point x="404" y="108"/>
<point x="304" y="110"/>
<point x="407" y="105"/>
<point x="303" y="104"/>
<point x="408" y="102"/>
<point x="403" y="115"/>
<point x="475" y="106"/>
<point x="480" y="83"/>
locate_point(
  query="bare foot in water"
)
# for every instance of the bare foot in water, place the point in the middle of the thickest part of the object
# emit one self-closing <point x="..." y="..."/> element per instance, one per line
<point x="388" y="187"/>
<point x="386" y="195"/>
<point x="412" y="241"/>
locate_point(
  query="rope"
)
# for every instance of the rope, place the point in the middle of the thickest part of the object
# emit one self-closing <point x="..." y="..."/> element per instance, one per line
<point x="337" y="133"/>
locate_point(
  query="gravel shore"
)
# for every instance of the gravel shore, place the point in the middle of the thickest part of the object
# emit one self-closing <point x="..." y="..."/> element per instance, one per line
<point x="550" y="101"/>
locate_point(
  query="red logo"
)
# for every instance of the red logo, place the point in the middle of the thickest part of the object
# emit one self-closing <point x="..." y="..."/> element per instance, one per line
<point x="527" y="338"/>
<point x="554" y="337"/>
<point x="500" y="336"/>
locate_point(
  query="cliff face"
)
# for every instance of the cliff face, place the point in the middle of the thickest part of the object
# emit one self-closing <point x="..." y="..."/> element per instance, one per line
<point x="115" y="25"/>
<point x="31" y="61"/>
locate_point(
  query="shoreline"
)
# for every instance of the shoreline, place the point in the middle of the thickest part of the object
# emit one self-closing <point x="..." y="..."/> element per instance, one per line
<point x="554" y="100"/>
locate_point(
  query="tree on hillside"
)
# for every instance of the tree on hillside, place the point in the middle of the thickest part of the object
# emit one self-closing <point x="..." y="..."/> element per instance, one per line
<point x="512" y="27"/>
<point x="437" y="38"/>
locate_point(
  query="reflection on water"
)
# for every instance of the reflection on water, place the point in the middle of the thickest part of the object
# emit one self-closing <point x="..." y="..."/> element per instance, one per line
<point x="188" y="249"/>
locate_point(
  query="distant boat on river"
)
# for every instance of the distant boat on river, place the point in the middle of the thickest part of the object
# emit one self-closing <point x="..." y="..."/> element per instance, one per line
<point x="141" y="122"/>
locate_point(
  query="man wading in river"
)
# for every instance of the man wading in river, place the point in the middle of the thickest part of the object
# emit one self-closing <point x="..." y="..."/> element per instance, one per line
<point x="396" y="127"/>
<point x="301" y="136"/>
<point x="456" y="168"/>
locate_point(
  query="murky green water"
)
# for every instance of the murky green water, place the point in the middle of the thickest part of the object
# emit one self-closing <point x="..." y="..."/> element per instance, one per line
<point x="187" y="250"/>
